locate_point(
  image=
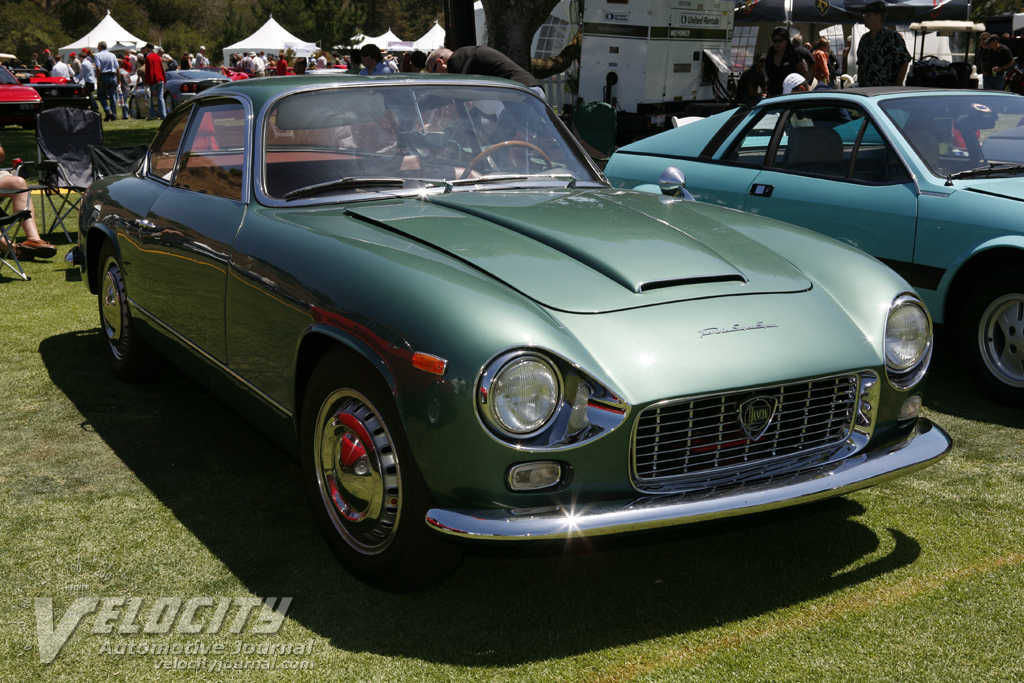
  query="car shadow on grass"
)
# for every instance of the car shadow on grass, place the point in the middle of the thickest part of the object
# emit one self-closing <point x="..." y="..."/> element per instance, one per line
<point x="242" y="498"/>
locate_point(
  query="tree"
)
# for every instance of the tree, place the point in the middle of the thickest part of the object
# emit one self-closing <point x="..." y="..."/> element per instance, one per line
<point x="512" y="23"/>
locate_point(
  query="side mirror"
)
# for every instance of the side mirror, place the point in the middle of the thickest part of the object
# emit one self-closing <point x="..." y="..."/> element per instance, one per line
<point x="673" y="183"/>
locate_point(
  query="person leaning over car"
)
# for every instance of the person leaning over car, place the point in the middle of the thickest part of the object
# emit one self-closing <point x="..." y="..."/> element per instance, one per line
<point x="996" y="60"/>
<point x="33" y="246"/>
<point x="882" y="56"/>
<point x="480" y="60"/>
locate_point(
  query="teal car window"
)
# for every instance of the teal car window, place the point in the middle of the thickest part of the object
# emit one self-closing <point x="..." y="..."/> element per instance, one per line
<point x="837" y="142"/>
<point x="214" y="151"/>
<point x="164" y="151"/>
<point x="752" y="146"/>
<point x="430" y="132"/>
<point x="962" y="130"/>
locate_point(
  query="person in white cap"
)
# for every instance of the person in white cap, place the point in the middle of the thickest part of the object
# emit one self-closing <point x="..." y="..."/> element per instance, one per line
<point x="200" y="59"/>
<point x="794" y="83"/>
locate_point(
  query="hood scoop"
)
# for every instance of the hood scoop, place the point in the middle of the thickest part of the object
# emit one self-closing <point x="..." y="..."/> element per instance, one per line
<point x="696" y="280"/>
<point x="590" y="252"/>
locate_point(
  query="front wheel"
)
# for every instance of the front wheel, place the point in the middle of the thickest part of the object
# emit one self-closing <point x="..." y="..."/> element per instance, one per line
<point x="992" y="335"/>
<point x="368" y="497"/>
<point x="130" y="358"/>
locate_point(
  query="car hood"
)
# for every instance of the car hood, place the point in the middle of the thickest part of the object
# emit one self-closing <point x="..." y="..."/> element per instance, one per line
<point x="1010" y="188"/>
<point x="587" y="251"/>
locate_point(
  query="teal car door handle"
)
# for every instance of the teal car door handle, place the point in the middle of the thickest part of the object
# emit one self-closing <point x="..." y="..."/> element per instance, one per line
<point x="761" y="190"/>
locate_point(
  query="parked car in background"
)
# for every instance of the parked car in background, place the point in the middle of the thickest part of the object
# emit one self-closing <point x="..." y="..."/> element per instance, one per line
<point x="928" y="181"/>
<point x="19" y="103"/>
<point x="233" y="74"/>
<point x="54" y="91"/>
<point x="424" y="288"/>
<point x="181" y="85"/>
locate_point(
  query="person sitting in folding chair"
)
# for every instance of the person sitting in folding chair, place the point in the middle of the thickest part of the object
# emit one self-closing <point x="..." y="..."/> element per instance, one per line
<point x="34" y="246"/>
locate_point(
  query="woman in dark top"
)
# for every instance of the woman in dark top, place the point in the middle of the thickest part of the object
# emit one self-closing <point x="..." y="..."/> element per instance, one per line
<point x="782" y="61"/>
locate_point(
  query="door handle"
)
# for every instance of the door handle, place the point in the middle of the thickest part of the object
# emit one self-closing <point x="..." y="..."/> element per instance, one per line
<point x="142" y="225"/>
<point x="761" y="190"/>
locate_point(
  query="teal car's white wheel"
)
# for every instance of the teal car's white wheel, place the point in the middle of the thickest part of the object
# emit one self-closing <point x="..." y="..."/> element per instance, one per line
<point x="992" y="335"/>
<point x="367" y="495"/>
<point x="127" y="354"/>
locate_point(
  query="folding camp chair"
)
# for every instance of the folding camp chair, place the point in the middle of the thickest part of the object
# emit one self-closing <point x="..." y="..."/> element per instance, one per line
<point x="7" y="224"/>
<point x="114" y="160"/>
<point x="63" y="135"/>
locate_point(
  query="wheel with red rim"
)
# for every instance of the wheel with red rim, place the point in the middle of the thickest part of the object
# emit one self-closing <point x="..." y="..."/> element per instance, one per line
<point x="367" y="494"/>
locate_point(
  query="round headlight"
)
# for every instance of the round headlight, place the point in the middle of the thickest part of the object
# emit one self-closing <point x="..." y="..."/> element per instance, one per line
<point x="524" y="395"/>
<point x="908" y="335"/>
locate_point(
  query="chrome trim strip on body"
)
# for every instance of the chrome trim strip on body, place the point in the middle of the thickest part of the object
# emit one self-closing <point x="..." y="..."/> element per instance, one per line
<point x="210" y="359"/>
<point x="924" y="446"/>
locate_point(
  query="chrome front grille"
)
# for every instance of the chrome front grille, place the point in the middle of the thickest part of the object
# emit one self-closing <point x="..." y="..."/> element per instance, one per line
<point x="700" y="444"/>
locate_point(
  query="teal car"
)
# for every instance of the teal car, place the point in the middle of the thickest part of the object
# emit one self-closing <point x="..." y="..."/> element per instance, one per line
<point x="424" y="290"/>
<point x="928" y="181"/>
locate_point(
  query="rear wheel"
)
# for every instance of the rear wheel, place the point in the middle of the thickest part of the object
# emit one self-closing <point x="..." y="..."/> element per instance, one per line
<point x="992" y="335"/>
<point x="367" y="495"/>
<point x="130" y="358"/>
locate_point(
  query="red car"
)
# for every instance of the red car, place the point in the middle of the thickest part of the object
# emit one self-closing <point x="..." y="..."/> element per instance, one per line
<point x="19" y="103"/>
<point x="233" y="74"/>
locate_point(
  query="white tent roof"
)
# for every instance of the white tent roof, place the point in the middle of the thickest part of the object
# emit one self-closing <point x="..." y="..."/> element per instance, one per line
<point x="108" y="31"/>
<point x="271" y="38"/>
<point x="431" y="40"/>
<point x="382" y="41"/>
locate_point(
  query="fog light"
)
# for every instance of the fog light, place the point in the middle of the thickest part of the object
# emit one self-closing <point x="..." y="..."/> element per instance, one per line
<point x="531" y="476"/>
<point x="911" y="408"/>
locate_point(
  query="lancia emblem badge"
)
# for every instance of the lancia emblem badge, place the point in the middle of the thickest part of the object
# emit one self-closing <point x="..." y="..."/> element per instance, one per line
<point x="756" y="415"/>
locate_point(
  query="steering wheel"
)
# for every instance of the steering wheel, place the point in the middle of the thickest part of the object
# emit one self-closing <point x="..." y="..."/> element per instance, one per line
<point x="503" y="145"/>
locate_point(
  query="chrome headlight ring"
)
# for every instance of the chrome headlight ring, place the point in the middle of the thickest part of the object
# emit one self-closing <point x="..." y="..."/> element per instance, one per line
<point x="538" y="400"/>
<point x="908" y="341"/>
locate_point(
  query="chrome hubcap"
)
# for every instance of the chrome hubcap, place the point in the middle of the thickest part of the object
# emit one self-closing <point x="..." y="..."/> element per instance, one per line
<point x="358" y="472"/>
<point x="1001" y="339"/>
<point x="112" y="308"/>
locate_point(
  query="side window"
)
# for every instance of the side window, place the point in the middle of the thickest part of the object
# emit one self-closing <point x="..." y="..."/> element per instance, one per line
<point x="214" y="151"/>
<point x="164" y="152"/>
<point x="752" y="146"/>
<point x="837" y="142"/>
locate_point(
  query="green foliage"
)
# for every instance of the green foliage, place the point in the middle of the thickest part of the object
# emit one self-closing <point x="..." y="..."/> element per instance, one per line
<point x="24" y="31"/>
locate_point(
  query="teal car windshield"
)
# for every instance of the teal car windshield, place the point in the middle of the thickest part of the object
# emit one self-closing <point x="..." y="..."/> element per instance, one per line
<point x="963" y="134"/>
<point x="351" y="140"/>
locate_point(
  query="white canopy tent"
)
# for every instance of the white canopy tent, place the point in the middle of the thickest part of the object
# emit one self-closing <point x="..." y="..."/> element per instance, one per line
<point x="108" y="31"/>
<point x="272" y="39"/>
<point x="383" y="41"/>
<point x="431" y="40"/>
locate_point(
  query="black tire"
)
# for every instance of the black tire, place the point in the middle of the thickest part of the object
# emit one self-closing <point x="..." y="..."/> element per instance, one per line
<point x="366" y="492"/>
<point x="129" y="357"/>
<point x="992" y="335"/>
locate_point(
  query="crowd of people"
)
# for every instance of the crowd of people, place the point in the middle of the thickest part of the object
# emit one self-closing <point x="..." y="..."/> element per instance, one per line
<point x="882" y="60"/>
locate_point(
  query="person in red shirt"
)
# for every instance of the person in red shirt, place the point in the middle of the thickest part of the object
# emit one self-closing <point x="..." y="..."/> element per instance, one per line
<point x="282" y="65"/>
<point x="155" y="79"/>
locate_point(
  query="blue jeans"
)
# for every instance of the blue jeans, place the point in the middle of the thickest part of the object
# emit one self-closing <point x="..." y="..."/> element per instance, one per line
<point x="106" y="91"/>
<point x="157" y="91"/>
<point x="997" y="82"/>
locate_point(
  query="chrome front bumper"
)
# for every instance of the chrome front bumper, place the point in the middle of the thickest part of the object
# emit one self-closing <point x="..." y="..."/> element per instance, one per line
<point x="925" y="446"/>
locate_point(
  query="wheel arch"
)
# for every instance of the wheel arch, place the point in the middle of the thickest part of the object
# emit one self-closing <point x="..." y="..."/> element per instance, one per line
<point x="318" y="341"/>
<point x="95" y="237"/>
<point x="985" y="259"/>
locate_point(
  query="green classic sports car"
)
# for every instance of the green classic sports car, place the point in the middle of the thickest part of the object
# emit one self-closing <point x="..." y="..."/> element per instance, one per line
<point x="928" y="181"/>
<point x="423" y="288"/>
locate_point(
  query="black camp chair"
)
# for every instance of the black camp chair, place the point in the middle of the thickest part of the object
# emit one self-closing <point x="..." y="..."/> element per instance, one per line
<point x="114" y="160"/>
<point x="63" y="135"/>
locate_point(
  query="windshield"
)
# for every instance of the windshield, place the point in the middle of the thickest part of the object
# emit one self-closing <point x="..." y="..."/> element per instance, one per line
<point x="956" y="133"/>
<point x="427" y="132"/>
<point x="7" y="77"/>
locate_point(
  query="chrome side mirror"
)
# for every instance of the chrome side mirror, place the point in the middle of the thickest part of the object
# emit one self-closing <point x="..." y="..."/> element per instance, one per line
<point x="673" y="183"/>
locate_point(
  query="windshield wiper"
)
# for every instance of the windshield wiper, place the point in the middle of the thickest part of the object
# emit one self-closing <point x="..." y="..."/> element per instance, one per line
<point x="360" y="183"/>
<point x="994" y="168"/>
<point x="570" y="179"/>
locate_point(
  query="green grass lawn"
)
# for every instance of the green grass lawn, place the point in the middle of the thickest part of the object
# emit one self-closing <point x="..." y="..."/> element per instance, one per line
<point x="159" y="491"/>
